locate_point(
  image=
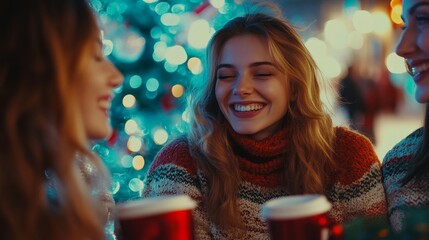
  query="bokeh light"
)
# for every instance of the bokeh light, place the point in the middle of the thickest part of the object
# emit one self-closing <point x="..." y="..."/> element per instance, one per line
<point x="134" y="144"/>
<point x="135" y="81"/>
<point x="127" y="161"/>
<point x="363" y="21"/>
<point x="199" y="34"/>
<point x="170" y="19"/>
<point x="160" y="136"/>
<point x="136" y="185"/>
<point x="129" y="45"/>
<point x="129" y="101"/>
<point x="217" y="3"/>
<point x="316" y="47"/>
<point x="381" y="22"/>
<point x="355" y="40"/>
<point x="131" y="127"/>
<point x="176" y="55"/>
<point x="195" y="65"/>
<point x="395" y="64"/>
<point x="152" y="84"/>
<point x="395" y="14"/>
<point x="138" y="162"/>
<point x="177" y="90"/>
<point x="336" y="33"/>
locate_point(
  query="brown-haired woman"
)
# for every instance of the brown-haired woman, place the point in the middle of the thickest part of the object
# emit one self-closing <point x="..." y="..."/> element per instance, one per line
<point x="55" y="92"/>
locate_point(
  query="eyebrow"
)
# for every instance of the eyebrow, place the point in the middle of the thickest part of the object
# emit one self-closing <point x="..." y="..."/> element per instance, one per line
<point x="417" y="5"/>
<point x="255" y="64"/>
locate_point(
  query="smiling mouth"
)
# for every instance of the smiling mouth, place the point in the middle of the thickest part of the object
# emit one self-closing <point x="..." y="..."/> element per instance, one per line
<point x="419" y="69"/>
<point x="104" y="104"/>
<point x="248" y="108"/>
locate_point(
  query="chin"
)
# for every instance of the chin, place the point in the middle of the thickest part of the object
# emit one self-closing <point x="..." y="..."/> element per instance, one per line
<point x="245" y="131"/>
<point x="100" y="134"/>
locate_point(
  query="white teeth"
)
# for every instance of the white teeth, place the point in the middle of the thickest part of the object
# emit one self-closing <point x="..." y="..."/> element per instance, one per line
<point x="420" y="68"/>
<point x="247" y="108"/>
<point x="104" y="104"/>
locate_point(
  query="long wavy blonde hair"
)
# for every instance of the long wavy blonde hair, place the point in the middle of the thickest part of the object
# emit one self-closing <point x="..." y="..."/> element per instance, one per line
<point x="44" y="48"/>
<point x="310" y="127"/>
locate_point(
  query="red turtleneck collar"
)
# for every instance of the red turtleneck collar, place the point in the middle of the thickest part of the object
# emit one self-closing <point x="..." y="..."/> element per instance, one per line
<point x="262" y="161"/>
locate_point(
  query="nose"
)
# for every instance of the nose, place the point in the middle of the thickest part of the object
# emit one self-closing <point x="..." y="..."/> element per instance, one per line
<point x="116" y="78"/>
<point x="243" y="85"/>
<point x="407" y="44"/>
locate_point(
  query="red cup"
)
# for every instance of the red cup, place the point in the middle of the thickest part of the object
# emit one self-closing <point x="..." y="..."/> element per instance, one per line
<point x="300" y="217"/>
<point x="157" y="218"/>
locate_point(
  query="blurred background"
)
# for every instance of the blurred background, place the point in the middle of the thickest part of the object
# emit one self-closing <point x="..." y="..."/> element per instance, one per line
<point x="159" y="47"/>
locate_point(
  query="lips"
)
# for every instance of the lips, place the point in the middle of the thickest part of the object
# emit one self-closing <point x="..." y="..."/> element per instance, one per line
<point x="419" y="68"/>
<point x="246" y="110"/>
<point x="247" y="107"/>
<point x="105" y="103"/>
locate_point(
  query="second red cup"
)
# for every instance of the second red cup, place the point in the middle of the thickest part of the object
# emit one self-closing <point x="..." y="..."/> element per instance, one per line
<point x="158" y="218"/>
<point x="300" y="217"/>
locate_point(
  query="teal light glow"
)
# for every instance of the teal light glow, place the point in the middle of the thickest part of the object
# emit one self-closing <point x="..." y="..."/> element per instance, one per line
<point x="156" y="32"/>
<point x="162" y="8"/>
<point x="200" y="33"/>
<point x="170" y="67"/>
<point x="170" y="19"/>
<point x="152" y="84"/>
<point x="159" y="51"/>
<point x="135" y="184"/>
<point x="151" y="95"/>
<point x="176" y="55"/>
<point x="115" y="186"/>
<point x="116" y="8"/>
<point x="178" y="8"/>
<point x="127" y="161"/>
<point x="135" y="81"/>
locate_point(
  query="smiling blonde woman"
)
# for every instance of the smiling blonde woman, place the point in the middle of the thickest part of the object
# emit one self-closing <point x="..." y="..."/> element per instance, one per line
<point x="259" y="132"/>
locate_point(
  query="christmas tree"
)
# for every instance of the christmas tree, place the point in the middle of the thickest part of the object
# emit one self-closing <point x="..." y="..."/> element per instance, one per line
<point x="159" y="46"/>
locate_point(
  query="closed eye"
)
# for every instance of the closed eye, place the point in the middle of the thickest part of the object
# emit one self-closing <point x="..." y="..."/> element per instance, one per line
<point x="421" y="20"/>
<point x="225" y="77"/>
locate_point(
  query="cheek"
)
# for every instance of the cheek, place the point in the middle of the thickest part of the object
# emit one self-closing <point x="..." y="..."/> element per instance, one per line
<point x="423" y="41"/>
<point x="219" y="92"/>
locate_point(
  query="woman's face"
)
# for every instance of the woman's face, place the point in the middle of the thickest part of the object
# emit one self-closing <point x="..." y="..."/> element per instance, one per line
<point x="414" y="44"/>
<point x="251" y="92"/>
<point x="95" y="93"/>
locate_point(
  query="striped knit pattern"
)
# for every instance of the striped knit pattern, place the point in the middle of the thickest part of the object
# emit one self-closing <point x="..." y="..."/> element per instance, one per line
<point x="357" y="191"/>
<point x="413" y="194"/>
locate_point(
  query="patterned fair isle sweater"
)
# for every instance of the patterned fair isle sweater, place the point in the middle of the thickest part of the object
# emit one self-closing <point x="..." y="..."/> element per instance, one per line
<point x="413" y="194"/>
<point x="356" y="191"/>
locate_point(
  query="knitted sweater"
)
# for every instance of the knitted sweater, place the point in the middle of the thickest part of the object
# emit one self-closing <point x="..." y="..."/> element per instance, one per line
<point x="357" y="191"/>
<point x="413" y="194"/>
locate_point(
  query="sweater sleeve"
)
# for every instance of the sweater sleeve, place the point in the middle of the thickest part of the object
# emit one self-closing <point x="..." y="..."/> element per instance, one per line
<point x="358" y="188"/>
<point x="173" y="172"/>
<point x="395" y="166"/>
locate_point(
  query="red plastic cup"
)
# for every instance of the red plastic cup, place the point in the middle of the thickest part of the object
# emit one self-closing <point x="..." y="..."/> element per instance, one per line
<point x="158" y="218"/>
<point x="300" y="217"/>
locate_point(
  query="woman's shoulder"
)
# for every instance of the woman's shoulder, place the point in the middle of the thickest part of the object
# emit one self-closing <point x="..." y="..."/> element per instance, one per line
<point x="355" y="153"/>
<point x="349" y="142"/>
<point x="178" y="145"/>
<point x="405" y="148"/>
<point x="347" y="134"/>
<point x="175" y="152"/>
